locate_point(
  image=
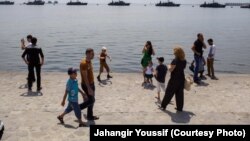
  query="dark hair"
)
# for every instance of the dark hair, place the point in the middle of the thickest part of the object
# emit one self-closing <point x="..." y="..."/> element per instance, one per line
<point x="150" y="49"/>
<point x="34" y="41"/>
<point x="71" y="71"/>
<point x="29" y="36"/>
<point x="88" y="50"/>
<point x="199" y="34"/>
<point x="210" y="40"/>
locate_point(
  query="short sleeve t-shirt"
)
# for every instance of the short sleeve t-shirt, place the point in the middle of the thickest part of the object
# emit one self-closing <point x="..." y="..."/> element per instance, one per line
<point x="103" y="55"/>
<point x="198" y="46"/>
<point x="178" y="72"/>
<point x="161" y="73"/>
<point x="72" y="90"/>
<point x="87" y="66"/>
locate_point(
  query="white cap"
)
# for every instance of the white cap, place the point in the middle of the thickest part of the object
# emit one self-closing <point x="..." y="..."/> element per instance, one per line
<point x="104" y="48"/>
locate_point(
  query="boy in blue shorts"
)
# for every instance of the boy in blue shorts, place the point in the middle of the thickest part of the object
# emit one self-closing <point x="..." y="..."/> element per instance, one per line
<point x="72" y="92"/>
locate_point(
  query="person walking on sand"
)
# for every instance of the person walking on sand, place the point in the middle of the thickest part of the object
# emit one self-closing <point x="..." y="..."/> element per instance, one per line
<point x="34" y="58"/>
<point x="23" y="46"/>
<point x="176" y="82"/>
<point x="88" y="86"/>
<point x="147" y="51"/>
<point x="197" y="48"/>
<point x="210" y="59"/>
<point x="72" y="93"/>
<point x="160" y="76"/>
<point x="103" y="63"/>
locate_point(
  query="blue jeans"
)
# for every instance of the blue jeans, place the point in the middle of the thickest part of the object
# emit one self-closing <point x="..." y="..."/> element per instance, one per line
<point x="197" y="64"/>
<point x="74" y="106"/>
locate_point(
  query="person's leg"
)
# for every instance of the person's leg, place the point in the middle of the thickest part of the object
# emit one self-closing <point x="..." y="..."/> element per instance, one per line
<point x="196" y="69"/>
<point x="208" y="67"/>
<point x="179" y="97"/>
<point x="78" y="113"/>
<point x="38" y="75"/>
<point x="100" y="71"/>
<point x="107" y="69"/>
<point x="169" y="93"/>
<point x="30" y="75"/>
<point x="163" y="87"/>
<point x="89" y="101"/>
<point x="158" y="90"/>
<point x="212" y="67"/>
<point x="90" y="115"/>
<point x="67" y="110"/>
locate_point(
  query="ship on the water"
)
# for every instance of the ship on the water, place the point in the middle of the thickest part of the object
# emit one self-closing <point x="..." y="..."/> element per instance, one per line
<point x="76" y="3"/>
<point x="212" y="5"/>
<point x="118" y="3"/>
<point x="36" y="2"/>
<point x="167" y="4"/>
<point x="245" y="6"/>
<point x="6" y="2"/>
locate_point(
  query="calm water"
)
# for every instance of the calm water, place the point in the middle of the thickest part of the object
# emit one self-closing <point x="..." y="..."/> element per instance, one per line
<point x="64" y="32"/>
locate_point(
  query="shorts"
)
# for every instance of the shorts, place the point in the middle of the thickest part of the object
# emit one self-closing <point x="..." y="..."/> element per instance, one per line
<point x="149" y="76"/>
<point x="160" y="86"/>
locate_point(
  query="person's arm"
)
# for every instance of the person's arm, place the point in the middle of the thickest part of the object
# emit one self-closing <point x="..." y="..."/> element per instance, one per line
<point x="204" y="45"/>
<point x="64" y="98"/>
<point x="101" y="57"/>
<point x="109" y="57"/>
<point x="171" y="67"/>
<point x="85" y="79"/>
<point x="204" y="61"/>
<point x="144" y="49"/>
<point x="153" y="51"/>
<point x="23" y="44"/>
<point x="23" y="56"/>
<point x="193" y="49"/>
<point x="84" y="96"/>
<point x="42" y="57"/>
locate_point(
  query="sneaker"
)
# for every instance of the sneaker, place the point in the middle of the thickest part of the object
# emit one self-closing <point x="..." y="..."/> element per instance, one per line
<point x="214" y="78"/>
<point x="108" y="76"/>
<point x="39" y="89"/>
<point x="98" y="78"/>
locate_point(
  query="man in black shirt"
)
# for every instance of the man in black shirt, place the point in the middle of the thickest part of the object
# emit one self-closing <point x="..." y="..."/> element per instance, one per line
<point x="31" y="57"/>
<point x="197" y="48"/>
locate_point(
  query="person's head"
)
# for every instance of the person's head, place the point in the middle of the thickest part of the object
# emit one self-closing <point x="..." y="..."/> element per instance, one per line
<point x="29" y="37"/>
<point x="89" y="53"/>
<point x="34" y="41"/>
<point x="210" y="41"/>
<point x="200" y="37"/>
<point x="160" y="60"/>
<point x="104" y="49"/>
<point x="72" y="72"/>
<point x="150" y="63"/>
<point x="149" y="47"/>
<point x="179" y="53"/>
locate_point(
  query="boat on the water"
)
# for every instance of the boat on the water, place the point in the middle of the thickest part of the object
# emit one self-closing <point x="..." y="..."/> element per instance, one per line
<point x="36" y="2"/>
<point x="118" y="3"/>
<point x="245" y="6"/>
<point x="76" y="3"/>
<point x="6" y="2"/>
<point x="212" y="5"/>
<point x="167" y="4"/>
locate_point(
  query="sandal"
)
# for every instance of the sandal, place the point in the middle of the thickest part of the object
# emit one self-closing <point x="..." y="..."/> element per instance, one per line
<point x="60" y="119"/>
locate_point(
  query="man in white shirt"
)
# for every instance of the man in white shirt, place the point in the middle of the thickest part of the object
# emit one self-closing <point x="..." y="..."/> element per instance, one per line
<point x="210" y="59"/>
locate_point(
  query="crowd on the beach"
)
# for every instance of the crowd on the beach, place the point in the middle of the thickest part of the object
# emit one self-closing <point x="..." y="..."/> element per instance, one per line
<point x="34" y="58"/>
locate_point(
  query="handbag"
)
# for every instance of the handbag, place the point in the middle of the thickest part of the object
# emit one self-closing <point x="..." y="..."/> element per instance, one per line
<point x="188" y="83"/>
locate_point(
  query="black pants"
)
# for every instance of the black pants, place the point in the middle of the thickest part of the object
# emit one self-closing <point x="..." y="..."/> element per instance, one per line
<point x="90" y="102"/>
<point x="174" y="87"/>
<point x="31" y="75"/>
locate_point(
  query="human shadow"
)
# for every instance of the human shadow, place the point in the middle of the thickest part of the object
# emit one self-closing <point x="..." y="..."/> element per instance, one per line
<point x="31" y="94"/>
<point x="23" y="86"/>
<point x="104" y="82"/>
<point x="180" y="117"/>
<point x="89" y="122"/>
<point x="67" y="126"/>
<point x="148" y="87"/>
<point x="202" y="84"/>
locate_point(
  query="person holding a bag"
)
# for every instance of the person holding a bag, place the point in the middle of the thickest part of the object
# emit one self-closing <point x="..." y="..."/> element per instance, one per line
<point x="176" y="82"/>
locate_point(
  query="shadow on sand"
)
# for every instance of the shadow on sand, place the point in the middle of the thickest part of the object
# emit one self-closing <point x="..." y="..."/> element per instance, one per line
<point x="180" y="117"/>
<point x="104" y="82"/>
<point x="23" y="86"/>
<point x="31" y="94"/>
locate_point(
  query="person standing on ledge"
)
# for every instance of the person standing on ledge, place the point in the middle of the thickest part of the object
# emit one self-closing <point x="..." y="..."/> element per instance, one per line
<point x="88" y="86"/>
<point x="103" y="63"/>
<point x="176" y="82"/>
<point x="147" y="51"/>
<point x="197" y="48"/>
<point x="31" y="57"/>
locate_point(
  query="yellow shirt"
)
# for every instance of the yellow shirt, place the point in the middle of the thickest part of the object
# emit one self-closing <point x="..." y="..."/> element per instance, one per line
<point x="87" y="66"/>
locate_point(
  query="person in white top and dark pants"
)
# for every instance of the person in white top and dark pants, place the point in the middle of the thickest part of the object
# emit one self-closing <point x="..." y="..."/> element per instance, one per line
<point x="210" y="59"/>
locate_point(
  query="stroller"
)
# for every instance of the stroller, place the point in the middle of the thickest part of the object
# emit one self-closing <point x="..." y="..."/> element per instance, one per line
<point x="1" y="129"/>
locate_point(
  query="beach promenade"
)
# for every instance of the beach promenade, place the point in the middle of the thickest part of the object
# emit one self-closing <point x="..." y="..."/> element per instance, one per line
<point x="32" y="117"/>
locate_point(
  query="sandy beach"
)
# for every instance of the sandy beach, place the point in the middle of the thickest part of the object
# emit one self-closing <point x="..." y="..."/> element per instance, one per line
<point x="121" y="100"/>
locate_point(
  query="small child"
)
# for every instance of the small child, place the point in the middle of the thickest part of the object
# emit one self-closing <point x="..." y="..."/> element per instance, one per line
<point x="72" y="92"/>
<point x="149" y="72"/>
<point x="103" y="63"/>
<point x="210" y="59"/>
<point x="160" y="75"/>
<point x="201" y="67"/>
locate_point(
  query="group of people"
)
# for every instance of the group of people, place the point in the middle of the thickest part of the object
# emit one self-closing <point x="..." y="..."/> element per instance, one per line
<point x="176" y="82"/>
<point x="34" y="58"/>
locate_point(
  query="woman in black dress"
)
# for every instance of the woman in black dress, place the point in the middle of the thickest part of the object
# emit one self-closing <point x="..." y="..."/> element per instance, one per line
<point x="176" y="82"/>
